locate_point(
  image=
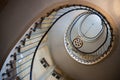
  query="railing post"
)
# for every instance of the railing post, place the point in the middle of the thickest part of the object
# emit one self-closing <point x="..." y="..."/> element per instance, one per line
<point x="14" y="56"/>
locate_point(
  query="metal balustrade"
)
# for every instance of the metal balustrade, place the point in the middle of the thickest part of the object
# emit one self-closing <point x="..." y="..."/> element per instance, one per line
<point x="22" y="55"/>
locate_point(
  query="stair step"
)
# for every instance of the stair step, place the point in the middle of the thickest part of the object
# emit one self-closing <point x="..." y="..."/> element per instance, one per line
<point x="24" y="62"/>
<point x="40" y="30"/>
<point x="36" y="35"/>
<point x="32" y="41"/>
<point x="23" y="57"/>
<point x="26" y="76"/>
<point x="40" y="36"/>
<point x="27" y="47"/>
<point x="30" y="50"/>
<point x="13" y="76"/>
<point x="23" y="71"/>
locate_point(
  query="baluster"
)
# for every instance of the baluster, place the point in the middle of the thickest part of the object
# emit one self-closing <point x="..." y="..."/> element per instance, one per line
<point x="10" y="64"/>
<point x="29" y="34"/>
<point x="48" y="14"/>
<point x="7" y="73"/>
<point x="14" y="56"/>
<point x="18" y="48"/>
<point x="36" y="25"/>
<point x="23" y="41"/>
<point x="34" y="29"/>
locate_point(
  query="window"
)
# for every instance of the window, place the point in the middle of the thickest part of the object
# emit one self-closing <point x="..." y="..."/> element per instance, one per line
<point x="44" y="63"/>
<point x="56" y="75"/>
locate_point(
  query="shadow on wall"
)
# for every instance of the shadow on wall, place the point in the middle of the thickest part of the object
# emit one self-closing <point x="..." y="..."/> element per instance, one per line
<point x="3" y="4"/>
<point x="114" y="8"/>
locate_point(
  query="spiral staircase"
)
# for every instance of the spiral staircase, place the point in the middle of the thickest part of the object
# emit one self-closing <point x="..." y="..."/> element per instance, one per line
<point x="69" y="32"/>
